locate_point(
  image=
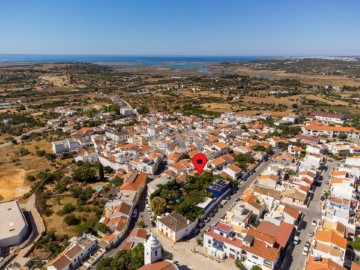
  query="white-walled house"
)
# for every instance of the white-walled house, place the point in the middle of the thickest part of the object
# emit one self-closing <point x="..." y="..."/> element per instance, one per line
<point x="175" y="226"/>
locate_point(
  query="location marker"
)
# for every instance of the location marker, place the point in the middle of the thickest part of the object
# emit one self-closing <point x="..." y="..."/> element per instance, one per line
<point x="199" y="161"/>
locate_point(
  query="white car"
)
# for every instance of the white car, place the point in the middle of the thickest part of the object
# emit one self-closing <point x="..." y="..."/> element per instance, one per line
<point x="314" y="222"/>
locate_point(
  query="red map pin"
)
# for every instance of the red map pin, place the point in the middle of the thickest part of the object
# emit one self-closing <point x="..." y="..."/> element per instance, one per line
<point x="199" y="161"/>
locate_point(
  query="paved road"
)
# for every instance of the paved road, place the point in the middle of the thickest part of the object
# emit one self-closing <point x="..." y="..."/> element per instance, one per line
<point x="294" y="260"/>
<point x="243" y="185"/>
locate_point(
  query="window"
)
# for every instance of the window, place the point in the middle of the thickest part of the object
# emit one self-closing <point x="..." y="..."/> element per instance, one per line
<point x="156" y="252"/>
<point x="209" y="241"/>
<point x="255" y="257"/>
<point x="232" y="250"/>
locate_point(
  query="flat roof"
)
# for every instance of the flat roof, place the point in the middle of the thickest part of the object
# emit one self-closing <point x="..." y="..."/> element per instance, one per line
<point x="12" y="219"/>
<point x="205" y="204"/>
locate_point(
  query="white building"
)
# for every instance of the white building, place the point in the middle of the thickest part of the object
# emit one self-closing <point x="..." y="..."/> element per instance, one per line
<point x="14" y="227"/>
<point x="175" y="226"/>
<point x="152" y="250"/>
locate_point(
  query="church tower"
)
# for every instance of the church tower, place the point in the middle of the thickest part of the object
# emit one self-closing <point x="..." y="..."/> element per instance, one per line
<point x="152" y="250"/>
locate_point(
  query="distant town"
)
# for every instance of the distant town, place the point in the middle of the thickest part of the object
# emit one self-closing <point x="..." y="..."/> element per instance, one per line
<point x="96" y="169"/>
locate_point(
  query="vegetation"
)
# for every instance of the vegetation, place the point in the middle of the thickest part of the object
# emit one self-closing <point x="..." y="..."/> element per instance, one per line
<point x="125" y="260"/>
<point x="51" y="243"/>
<point x="84" y="173"/>
<point x="239" y="264"/>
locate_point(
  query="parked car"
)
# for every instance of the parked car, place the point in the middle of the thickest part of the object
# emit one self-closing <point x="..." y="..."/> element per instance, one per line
<point x="196" y="231"/>
<point x="296" y="240"/>
<point x="212" y="214"/>
<point x="216" y="210"/>
<point x="306" y="248"/>
<point x="201" y="224"/>
<point x="135" y="212"/>
<point x="314" y="222"/>
<point x="207" y="219"/>
<point x="311" y="233"/>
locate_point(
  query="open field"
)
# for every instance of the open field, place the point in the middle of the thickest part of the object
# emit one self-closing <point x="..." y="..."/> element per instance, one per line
<point x="12" y="183"/>
<point x="14" y="168"/>
<point x="304" y="78"/>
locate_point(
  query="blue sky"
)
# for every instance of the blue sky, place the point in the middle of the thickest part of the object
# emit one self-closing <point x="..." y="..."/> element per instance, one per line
<point x="181" y="27"/>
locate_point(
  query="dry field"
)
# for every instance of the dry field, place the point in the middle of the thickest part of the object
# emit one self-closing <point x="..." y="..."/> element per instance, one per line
<point x="217" y="107"/>
<point x="12" y="174"/>
<point x="307" y="79"/>
<point x="56" y="80"/>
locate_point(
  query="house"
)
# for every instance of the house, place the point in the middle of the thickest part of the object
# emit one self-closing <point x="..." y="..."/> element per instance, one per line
<point x="219" y="188"/>
<point x="327" y="117"/>
<point x="330" y="245"/>
<point x="331" y="131"/>
<point x="233" y="171"/>
<point x="67" y="145"/>
<point x="117" y="136"/>
<point x="255" y="248"/>
<point x="175" y="226"/>
<point x="75" y="254"/>
<point x="268" y="181"/>
<point x="323" y="264"/>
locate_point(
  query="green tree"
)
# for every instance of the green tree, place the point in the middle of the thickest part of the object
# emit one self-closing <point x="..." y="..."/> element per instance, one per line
<point x="256" y="267"/>
<point x="239" y="264"/>
<point x="71" y="220"/>
<point x="67" y="209"/>
<point x="342" y="136"/>
<point x="117" y="181"/>
<point x="158" y="205"/>
<point x="84" y="173"/>
<point x="101" y="171"/>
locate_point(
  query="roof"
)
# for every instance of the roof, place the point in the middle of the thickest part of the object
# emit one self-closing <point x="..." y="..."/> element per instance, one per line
<point x="174" y="221"/>
<point x="164" y="265"/>
<point x="60" y="262"/>
<point x="293" y="212"/>
<point x="260" y="249"/>
<point x="71" y="253"/>
<point x="331" y="128"/>
<point x="329" y="236"/>
<point x="12" y="219"/>
<point x="141" y="233"/>
<point x="324" y="264"/>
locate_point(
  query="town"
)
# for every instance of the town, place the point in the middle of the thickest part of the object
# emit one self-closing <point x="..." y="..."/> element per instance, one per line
<point x="276" y="193"/>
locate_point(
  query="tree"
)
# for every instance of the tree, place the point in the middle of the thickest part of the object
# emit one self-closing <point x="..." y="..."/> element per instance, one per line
<point x="101" y="171"/>
<point x="84" y="173"/>
<point x="342" y="136"/>
<point x="67" y="209"/>
<point x="71" y="220"/>
<point x="108" y="169"/>
<point x="256" y="267"/>
<point x="117" y="181"/>
<point x="158" y="205"/>
<point x="239" y="264"/>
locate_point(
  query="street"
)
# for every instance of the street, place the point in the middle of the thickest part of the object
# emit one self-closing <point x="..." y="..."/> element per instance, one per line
<point x="294" y="260"/>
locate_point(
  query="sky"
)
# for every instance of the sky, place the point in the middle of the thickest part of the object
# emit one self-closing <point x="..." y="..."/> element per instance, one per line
<point x="181" y="27"/>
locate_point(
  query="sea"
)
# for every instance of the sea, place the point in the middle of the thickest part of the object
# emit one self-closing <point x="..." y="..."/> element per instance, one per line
<point x="174" y="62"/>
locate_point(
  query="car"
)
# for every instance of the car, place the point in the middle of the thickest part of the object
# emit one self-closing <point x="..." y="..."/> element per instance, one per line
<point x="327" y="182"/>
<point x="216" y="210"/>
<point x="196" y="231"/>
<point x="311" y="233"/>
<point x="212" y="214"/>
<point x="296" y="239"/>
<point x="201" y="224"/>
<point x="322" y="198"/>
<point x="207" y="219"/>
<point x="221" y="205"/>
<point x="135" y="212"/>
<point x="314" y="222"/>
<point x="228" y="198"/>
<point x="306" y="248"/>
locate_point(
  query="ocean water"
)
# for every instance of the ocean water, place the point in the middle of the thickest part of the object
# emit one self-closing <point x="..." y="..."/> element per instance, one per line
<point x="176" y="62"/>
